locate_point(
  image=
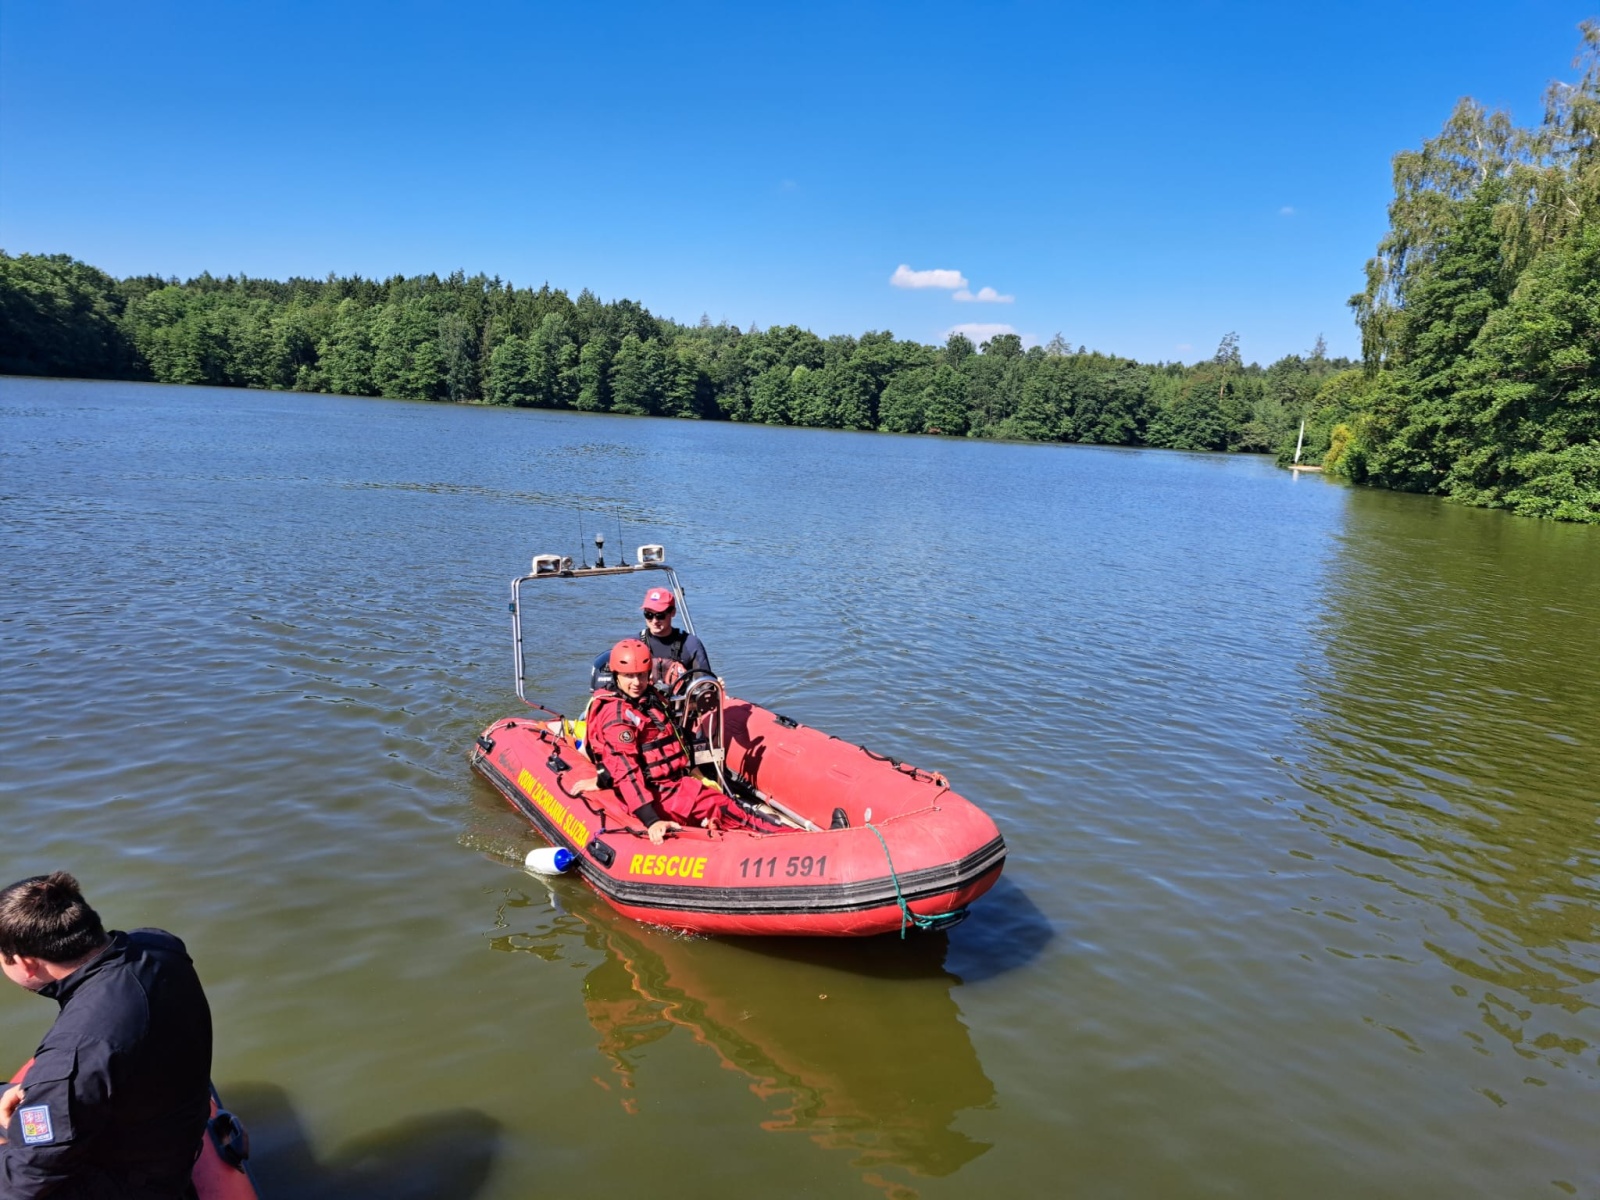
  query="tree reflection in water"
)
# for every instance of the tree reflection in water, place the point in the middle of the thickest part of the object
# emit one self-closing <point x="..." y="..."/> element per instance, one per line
<point x="1454" y="747"/>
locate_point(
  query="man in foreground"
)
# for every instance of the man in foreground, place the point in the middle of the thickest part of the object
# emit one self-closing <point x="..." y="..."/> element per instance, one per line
<point x="632" y="736"/>
<point x="115" y="1104"/>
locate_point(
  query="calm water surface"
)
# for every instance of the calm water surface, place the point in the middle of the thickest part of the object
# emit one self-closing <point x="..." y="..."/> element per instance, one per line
<point x="1300" y="785"/>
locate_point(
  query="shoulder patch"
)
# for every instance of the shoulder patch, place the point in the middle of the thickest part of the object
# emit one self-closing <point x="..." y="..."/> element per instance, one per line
<point x="36" y="1127"/>
<point x="625" y="735"/>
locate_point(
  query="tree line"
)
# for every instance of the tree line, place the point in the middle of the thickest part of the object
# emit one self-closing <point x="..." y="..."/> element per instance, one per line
<point x="1479" y="379"/>
<point x="1480" y="320"/>
<point x="473" y="339"/>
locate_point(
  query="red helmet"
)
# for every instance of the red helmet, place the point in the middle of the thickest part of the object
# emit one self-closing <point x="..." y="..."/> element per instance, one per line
<point x="659" y="600"/>
<point x="630" y="656"/>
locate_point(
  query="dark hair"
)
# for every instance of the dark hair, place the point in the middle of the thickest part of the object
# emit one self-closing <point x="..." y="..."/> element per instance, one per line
<point x="46" y="917"/>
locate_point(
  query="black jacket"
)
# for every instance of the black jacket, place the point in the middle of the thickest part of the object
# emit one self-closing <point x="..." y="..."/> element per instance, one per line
<point x="118" y="1095"/>
<point x="680" y="646"/>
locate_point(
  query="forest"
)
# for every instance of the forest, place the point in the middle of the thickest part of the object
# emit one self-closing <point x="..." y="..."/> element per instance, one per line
<point x="1479" y="378"/>
<point x="479" y="340"/>
<point x="1480" y="320"/>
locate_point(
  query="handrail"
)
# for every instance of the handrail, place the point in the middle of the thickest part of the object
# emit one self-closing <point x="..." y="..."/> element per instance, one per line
<point x="581" y="573"/>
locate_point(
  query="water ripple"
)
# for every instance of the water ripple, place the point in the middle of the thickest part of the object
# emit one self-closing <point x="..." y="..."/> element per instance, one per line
<point x="1298" y="785"/>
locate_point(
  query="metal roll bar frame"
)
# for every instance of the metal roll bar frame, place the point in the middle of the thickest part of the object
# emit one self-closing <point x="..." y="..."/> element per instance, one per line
<point x="562" y="568"/>
<point x="571" y="572"/>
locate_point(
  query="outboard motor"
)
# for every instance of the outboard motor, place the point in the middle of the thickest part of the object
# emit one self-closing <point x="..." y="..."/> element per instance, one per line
<point x="600" y="674"/>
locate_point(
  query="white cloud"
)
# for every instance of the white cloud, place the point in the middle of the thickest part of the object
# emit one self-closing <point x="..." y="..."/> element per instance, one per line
<point x="905" y="277"/>
<point x="986" y="295"/>
<point x="978" y="333"/>
<point x="1184" y="346"/>
<point x="1286" y="211"/>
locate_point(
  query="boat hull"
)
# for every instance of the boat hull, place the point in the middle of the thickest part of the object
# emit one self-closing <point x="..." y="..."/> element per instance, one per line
<point x="914" y="851"/>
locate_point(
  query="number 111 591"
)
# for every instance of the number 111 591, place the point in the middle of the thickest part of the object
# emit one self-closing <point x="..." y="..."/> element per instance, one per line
<point x="797" y="866"/>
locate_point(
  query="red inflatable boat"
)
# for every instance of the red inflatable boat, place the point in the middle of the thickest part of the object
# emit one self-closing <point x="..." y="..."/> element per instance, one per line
<point x="869" y="845"/>
<point x="222" y="1172"/>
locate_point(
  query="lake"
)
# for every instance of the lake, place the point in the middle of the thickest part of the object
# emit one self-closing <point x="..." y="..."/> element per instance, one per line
<point x="1299" y="783"/>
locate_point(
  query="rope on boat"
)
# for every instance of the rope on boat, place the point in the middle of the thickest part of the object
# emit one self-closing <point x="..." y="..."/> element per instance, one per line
<point x="907" y="917"/>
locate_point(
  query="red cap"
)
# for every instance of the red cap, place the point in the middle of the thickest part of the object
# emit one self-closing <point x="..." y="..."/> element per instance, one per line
<point x="630" y="656"/>
<point x="659" y="600"/>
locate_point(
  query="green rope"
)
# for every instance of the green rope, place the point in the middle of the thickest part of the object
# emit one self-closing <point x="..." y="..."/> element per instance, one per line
<point x="907" y="917"/>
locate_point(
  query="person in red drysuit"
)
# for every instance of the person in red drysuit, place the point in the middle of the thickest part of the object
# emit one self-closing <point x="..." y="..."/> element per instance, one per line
<point x="632" y="737"/>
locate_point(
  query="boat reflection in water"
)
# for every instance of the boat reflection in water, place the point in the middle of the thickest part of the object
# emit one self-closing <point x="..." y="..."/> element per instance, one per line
<point x="857" y="1044"/>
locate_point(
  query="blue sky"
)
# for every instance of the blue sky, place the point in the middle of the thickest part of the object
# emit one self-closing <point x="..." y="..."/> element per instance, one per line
<point x="1141" y="178"/>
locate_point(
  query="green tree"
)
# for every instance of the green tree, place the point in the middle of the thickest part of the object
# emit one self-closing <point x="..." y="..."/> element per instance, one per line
<point x="902" y="408"/>
<point x="550" y="364"/>
<point x="769" y="396"/>
<point x="1420" y="418"/>
<point x="458" y="352"/>
<point x="1194" y="420"/>
<point x="406" y="361"/>
<point x="509" y="379"/>
<point x="638" y="377"/>
<point x="946" y="402"/>
<point x="958" y="348"/>
<point x="59" y="316"/>
<point x="1112" y="401"/>
<point x="346" y="353"/>
<point x="594" y="365"/>
<point x="1044" y="408"/>
<point x="1532" y="388"/>
<point x="296" y="333"/>
<point x="168" y="326"/>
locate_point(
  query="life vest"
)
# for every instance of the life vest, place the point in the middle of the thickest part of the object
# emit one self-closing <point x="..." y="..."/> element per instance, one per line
<point x="617" y="721"/>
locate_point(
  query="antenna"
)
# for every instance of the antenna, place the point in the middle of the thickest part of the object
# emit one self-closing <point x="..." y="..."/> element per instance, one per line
<point x="581" y="552"/>
<point x="622" y="546"/>
<point x="599" y="549"/>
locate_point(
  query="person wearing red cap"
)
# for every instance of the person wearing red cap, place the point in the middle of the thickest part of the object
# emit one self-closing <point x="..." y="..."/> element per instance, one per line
<point x="632" y="736"/>
<point x="670" y="645"/>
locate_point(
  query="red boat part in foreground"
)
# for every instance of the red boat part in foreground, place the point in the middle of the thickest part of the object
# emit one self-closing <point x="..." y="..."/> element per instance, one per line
<point x="222" y="1171"/>
<point x="913" y="852"/>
